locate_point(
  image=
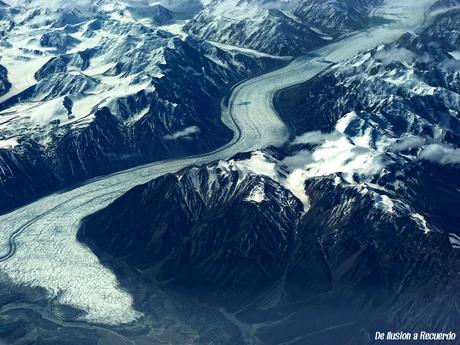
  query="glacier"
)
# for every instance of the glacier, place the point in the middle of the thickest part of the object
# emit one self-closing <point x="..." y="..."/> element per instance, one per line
<point x="37" y="242"/>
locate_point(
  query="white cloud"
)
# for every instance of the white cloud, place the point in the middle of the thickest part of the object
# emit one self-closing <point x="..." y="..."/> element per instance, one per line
<point x="407" y="143"/>
<point x="394" y="55"/>
<point x="185" y="133"/>
<point x="441" y="154"/>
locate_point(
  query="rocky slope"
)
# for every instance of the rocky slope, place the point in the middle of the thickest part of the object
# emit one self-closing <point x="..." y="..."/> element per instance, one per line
<point x="444" y="5"/>
<point x="280" y="28"/>
<point x="211" y="232"/>
<point x="345" y="231"/>
<point x="233" y="234"/>
<point x="337" y="17"/>
<point x="253" y="25"/>
<point x="397" y="108"/>
<point x="102" y="87"/>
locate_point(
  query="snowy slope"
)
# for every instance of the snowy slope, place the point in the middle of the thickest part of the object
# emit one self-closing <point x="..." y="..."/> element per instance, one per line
<point x="256" y="25"/>
<point x="280" y="27"/>
<point x="335" y="17"/>
<point x="388" y="120"/>
<point x="96" y="87"/>
<point x="230" y="198"/>
<point x="378" y="175"/>
<point x="340" y="248"/>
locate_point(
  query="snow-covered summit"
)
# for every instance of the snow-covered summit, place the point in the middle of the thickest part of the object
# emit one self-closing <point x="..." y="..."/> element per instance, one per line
<point x="377" y="157"/>
<point x="280" y="27"/>
<point x="105" y="82"/>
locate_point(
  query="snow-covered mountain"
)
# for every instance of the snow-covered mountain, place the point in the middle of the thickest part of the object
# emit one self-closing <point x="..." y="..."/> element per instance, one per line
<point x="253" y="24"/>
<point x="444" y="5"/>
<point x="4" y="83"/>
<point x="218" y="238"/>
<point x="390" y="119"/>
<point x="336" y="17"/>
<point x="347" y="229"/>
<point x="98" y="86"/>
<point x="280" y="28"/>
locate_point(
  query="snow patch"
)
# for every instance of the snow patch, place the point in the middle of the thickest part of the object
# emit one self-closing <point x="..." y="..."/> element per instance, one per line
<point x="257" y="194"/>
<point x="339" y="154"/>
<point x="259" y="164"/>
<point x="454" y="240"/>
<point x="295" y="182"/>
<point x="183" y="134"/>
<point x="455" y="54"/>
<point x="421" y="221"/>
<point x="345" y="122"/>
<point x="383" y="202"/>
<point x="8" y="143"/>
<point x="440" y="153"/>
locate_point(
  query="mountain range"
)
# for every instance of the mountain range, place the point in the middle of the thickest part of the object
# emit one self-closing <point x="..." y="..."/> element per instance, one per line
<point x="345" y="231"/>
<point x="90" y="90"/>
<point x="345" y="228"/>
<point x="280" y="28"/>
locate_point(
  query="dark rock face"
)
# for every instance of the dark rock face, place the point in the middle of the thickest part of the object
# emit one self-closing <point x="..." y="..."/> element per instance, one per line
<point x="281" y="29"/>
<point x="159" y="14"/>
<point x="58" y="40"/>
<point x="349" y="266"/>
<point x="381" y="270"/>
<point x="198" y="227"/>
<point x="24" y="172"/>
<point x="176" y="112"/>
<point x="77" y="155"/>
<point x="276" y="33"/>
<point x="365" y="85"/>
<point x="337" y="17"/>
<point x="444" y="4"/>
<point x="343" y="267"/>
<point x="5" y="85"/>
<point x="434" y="190"/>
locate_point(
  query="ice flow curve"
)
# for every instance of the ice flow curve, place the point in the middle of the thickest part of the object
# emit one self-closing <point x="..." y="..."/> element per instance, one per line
<point x="37" y="242"/>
